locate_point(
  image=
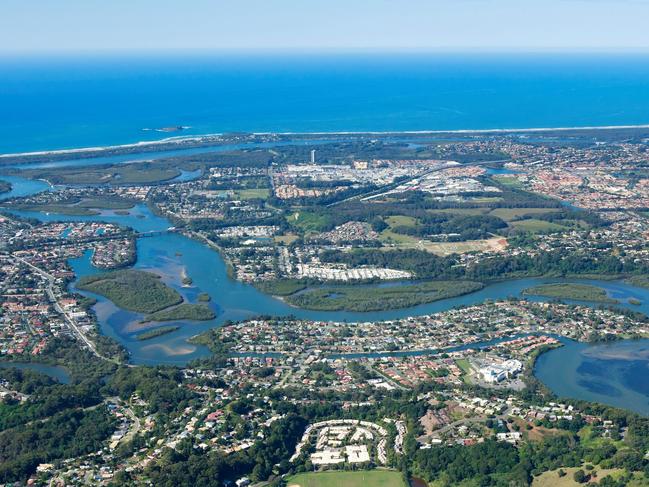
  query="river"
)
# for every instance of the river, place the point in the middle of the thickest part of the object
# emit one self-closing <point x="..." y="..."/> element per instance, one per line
<point x="21" y="187"/>
<point x="172" y="254"/>
<point x="611" y="373"/>
<point x="56" y="372"/>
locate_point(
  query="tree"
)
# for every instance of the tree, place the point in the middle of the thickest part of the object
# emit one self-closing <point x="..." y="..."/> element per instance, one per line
<point x="580" y="477"/>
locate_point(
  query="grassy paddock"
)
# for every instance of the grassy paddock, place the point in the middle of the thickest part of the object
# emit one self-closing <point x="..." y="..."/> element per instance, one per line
<point x="308" y="221"/>
<point x="509" y="181"/>
<point x="464" y="366"/>
<point x="552" y="478"/>
<point x="375" y="478"/>
<point x="401" y="221"/>
<point x="537" y="226"/>
<point x="509" y="214"/>
<point x="389" y="237"/>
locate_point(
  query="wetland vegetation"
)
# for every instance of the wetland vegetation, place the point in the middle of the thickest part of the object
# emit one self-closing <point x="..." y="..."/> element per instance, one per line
<point x="185" y="311"/>
<point x="133" y="290"/>
<point x="150" y="334"/>
<point x="572" y="291"/>
<point x="372" y="298"/>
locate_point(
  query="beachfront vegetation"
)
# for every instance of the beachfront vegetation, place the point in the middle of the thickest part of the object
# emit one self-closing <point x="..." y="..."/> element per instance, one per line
<point x="372" y="298"/>
<point x="133" y="290"/>
<point x="578" y="292"/>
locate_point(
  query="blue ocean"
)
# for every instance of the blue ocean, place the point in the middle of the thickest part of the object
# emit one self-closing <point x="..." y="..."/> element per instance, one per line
<point x="69" y="101"/>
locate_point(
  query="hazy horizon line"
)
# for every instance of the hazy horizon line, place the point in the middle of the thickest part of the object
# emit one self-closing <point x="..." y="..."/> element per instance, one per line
<point x="327" y="50"/>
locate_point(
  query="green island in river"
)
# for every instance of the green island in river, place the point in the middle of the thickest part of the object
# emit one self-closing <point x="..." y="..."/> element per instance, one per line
<point x="366" y="298"/>
<point x="144" y="292"/>
<point x="578" y="292"/>
<point x="150" y="334"/>
<point x="185" y="311"/>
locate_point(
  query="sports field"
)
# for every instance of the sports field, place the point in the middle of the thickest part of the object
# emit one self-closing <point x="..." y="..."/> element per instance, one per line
<point x="375" y="478"/>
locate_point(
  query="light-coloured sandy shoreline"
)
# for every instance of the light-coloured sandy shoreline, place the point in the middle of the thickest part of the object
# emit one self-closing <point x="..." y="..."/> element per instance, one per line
<point x="206" y="137"/>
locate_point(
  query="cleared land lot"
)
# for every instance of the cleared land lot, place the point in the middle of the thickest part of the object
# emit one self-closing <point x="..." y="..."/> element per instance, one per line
<point x="388" y="236"/>
<point x="247" y="194"/>
<point x="496" y="244"/>
<point x="375" y="478"/>
<point x="286" y="239"/>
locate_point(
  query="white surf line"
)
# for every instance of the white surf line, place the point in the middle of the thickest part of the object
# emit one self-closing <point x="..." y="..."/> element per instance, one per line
<point x="205" y="137"/>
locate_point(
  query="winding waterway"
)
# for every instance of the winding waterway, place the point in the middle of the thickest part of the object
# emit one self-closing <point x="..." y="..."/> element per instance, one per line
<point x="576" y="370"/>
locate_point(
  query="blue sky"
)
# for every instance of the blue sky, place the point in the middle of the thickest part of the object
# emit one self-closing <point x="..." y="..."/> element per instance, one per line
<point x="42" y="25"/>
